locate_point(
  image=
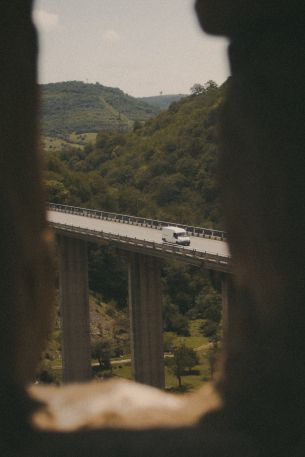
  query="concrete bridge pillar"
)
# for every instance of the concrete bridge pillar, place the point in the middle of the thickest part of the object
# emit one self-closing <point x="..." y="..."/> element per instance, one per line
<point x="74" y="309"/>
<point x="145" y="310"/>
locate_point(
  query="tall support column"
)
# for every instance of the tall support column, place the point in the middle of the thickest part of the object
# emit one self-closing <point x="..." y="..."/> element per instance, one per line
<point x="74" y="306"/>
<point x="145" y="309"/>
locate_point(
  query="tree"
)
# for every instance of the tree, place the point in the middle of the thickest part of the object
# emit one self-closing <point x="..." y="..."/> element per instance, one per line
<point x="208" y="305"/>
<point x="210" y="329"/>
<point x="173" y="320"/>
<point x="136" y="125"/>
<point x="168" y="342"/>
<point x="102" y="351"/>
<point x="210" y="85"/>
<point x="183" y="357"/>
<point x="57" y="192"/>
<point x="197" y="89"/>
<point x="45" y="374"/>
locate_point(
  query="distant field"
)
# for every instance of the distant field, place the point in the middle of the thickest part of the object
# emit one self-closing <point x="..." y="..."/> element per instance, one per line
<point x="72" y="140"/>
<point x="198" y="376"/>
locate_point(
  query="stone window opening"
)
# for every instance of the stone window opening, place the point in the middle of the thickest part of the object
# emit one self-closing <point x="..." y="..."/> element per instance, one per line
<point x="256" y="406"/>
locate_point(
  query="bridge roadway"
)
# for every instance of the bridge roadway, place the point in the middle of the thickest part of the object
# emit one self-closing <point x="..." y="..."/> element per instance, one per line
<point x="202" y="245"/>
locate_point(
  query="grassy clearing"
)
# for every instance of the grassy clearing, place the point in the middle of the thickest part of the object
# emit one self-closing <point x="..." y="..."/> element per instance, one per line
<point x="54" y="143"/>
<point x="76" y="140"/>
<point x="82" y="138"/>
<point x="200" y="374"/>
<point x="195" y="341"/>
<point x="123" y="371"/>
<point x="190" y="381"/>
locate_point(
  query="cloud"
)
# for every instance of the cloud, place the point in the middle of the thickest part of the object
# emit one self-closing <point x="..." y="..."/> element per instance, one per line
<point x="44" y="20"/>
<point x="111" y="36"/>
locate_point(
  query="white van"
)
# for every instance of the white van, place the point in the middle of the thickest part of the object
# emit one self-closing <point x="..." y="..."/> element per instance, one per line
<point x="175" y="235"/>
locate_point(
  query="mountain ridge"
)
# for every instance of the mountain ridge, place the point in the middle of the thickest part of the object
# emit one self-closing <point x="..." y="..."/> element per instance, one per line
<point x="75" y="107"/>
<point x="78" y="107"/>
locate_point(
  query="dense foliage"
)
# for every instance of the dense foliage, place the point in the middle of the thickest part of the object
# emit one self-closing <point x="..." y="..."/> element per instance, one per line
<point x="165" y="169"/>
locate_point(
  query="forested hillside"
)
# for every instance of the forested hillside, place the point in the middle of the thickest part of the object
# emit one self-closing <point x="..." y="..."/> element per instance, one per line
<point x="77" y="107"/>
<point x="164" y="169"/>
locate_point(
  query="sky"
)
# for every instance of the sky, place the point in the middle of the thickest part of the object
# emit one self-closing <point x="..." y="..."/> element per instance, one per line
<point x="144" y="47"/>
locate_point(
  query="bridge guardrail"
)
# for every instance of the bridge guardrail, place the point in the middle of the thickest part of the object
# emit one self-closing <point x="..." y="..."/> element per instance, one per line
<point x="136" y="220"/>
<point x="178" y="250"/>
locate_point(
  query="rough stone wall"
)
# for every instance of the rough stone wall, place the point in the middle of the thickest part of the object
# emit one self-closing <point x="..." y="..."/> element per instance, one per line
<point x="25" y="264"/>
<point x="263" y="187"/>
<point x="261" y="386"/>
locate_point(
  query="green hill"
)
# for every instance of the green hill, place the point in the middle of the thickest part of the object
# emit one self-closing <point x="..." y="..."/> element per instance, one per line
<point x="162" y="101"/>
<point x="76" y="107"/>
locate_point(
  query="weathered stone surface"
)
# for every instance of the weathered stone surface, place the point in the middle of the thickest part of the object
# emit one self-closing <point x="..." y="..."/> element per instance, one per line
<point x="119" y="404"/>
<point x="25" y="262"/>
<point x="236" y="17"/>
<point x="263" y="187"/>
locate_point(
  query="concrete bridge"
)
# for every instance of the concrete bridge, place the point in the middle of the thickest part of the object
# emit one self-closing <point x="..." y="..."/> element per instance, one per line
<point x="141" y="238"/>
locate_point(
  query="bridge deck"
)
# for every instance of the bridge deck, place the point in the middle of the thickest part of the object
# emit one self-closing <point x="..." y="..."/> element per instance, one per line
<point x="211" y="246"/>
